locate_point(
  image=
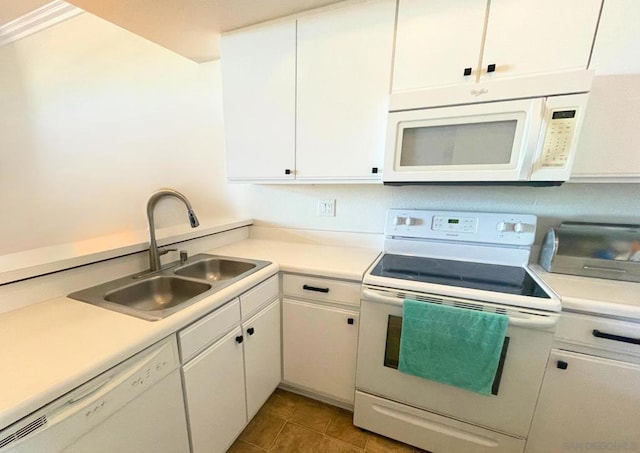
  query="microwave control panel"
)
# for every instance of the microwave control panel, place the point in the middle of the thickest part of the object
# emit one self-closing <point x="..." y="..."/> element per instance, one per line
<point x="558" y="140"/>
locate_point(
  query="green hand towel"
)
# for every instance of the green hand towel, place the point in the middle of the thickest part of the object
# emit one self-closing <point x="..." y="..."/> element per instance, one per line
<point x="451" y="345"/>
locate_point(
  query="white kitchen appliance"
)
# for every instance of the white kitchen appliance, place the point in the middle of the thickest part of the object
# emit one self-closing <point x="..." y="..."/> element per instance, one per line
<point x="471" y="260"/>
<point x="135" y="407"/>
<point x="486" y="134"/>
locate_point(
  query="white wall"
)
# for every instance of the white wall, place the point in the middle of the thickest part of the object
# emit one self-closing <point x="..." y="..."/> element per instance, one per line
<point x="92" y="120"/>
<point x="362" y="208"/>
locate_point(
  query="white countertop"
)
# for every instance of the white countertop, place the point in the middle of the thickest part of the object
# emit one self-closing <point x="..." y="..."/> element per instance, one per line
<point x="331" y="261"/>
<point x="49" y="348"/>
<point x="597" y="296"/>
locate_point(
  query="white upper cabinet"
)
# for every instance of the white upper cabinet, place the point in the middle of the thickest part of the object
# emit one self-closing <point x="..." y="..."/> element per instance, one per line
<point x="439" y="42"/>
<point x="617" y="46"/>
<point x="435" y="41"/>
<point x="258" y="82"/>
<point x="526" y="37"/>
<point x="309" y="105"/>
<point x="343" y="78"/>
<point x="609" y="144"/>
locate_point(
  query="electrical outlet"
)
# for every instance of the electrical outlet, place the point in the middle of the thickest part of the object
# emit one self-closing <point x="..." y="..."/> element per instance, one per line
<point x="326" y="208"/>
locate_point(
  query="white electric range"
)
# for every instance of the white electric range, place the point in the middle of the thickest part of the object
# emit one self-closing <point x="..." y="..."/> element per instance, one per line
<point x="470" y="260"/>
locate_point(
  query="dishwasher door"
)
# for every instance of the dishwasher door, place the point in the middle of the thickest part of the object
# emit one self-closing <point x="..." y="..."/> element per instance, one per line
<point x="136" y="407"/>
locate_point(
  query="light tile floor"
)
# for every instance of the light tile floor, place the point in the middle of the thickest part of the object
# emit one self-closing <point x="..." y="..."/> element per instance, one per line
<point x="290" y="423"/>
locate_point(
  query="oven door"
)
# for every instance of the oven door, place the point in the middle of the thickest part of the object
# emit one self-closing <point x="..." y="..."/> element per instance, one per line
<point x="509" y="409"/>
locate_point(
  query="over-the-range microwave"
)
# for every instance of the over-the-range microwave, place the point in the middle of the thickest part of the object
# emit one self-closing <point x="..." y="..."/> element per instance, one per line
<point x="524" y="141"/>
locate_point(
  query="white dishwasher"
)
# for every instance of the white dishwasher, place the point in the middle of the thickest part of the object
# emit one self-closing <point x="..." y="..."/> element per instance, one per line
<point x="135" y="407"/>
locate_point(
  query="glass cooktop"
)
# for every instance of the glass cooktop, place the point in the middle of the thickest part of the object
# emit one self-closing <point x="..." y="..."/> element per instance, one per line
<point x="487" y="277"/>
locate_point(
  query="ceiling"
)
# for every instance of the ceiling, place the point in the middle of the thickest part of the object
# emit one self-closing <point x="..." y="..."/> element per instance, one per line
<point x="189" y="27"/>
<point x="12" y="9"/>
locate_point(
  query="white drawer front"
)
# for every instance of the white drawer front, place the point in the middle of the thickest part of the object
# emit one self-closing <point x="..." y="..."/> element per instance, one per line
<point x="322" y="289"/>
<point x="260" y="296"/>
<point x="200" y="334"/>
<point x="607" y="334"/>
<point x="428" y="430"/>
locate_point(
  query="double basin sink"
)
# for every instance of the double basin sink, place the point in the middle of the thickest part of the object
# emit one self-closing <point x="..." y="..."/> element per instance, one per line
<point x="154" y="296"/>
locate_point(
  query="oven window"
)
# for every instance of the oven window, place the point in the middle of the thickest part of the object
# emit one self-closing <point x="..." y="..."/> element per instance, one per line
<point x="392" y="350"/>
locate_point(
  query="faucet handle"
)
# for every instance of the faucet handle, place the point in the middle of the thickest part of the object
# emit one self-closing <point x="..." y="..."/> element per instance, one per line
<point x="165" y="251"/>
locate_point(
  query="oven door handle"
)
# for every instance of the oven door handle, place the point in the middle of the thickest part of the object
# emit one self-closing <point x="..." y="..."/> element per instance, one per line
<point x="532" y="321"/>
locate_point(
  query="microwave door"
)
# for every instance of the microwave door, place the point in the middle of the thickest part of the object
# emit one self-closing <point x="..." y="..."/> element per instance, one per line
<point x="467" y="143"/>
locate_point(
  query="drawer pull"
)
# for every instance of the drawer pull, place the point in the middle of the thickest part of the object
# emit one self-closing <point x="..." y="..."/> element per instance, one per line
<point x="562" y="365"/>
<point x="239" y="339"/>
<point x="315" y="288"/>
<point x="610" y="336"/>
<point x="350" y="321"/>
<point x="251" y="330"/>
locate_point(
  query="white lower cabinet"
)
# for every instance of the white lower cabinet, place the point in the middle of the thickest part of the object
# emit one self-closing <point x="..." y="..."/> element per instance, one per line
<point x="214" y="387"/>
<point x="587" y="403"/>
<point x="262" y="356"/>
<point x="319" y="348"/>
<point x="231" y="366"/>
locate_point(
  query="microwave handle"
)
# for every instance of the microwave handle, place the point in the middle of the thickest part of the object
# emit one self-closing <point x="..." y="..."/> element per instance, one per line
<point x="531" y="322"/>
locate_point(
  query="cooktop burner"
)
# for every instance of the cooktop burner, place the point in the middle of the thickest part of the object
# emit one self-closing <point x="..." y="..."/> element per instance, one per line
<point x="487" y="277"/>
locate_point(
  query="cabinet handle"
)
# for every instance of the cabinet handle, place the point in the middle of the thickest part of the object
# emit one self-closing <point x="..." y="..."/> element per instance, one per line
<point x="491" y="68"/>
<point x="610" y="336"/>
<point x="287" y="172"/>
<point x="350" y="321"/>
<point x="239" y="339"/>
<point x="374" y="170"/>
<point x="561" y="364"/>
<point x="467" y="71"/>
<point x="251" y="330"/>
<point x="315" y="288"/>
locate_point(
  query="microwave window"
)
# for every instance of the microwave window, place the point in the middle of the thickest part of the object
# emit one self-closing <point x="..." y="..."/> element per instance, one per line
<point x="488" y="143"/>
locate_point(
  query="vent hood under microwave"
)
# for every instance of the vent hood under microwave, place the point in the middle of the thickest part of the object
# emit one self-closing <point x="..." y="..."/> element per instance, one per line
<point x="521" y="131"/>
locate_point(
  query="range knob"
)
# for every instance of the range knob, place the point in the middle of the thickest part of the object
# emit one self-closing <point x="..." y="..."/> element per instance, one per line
<point x="523" y="227"/>
<point x="398" y="220"/>
<point x="505" y="226"/>
<point x="409" y="221"/>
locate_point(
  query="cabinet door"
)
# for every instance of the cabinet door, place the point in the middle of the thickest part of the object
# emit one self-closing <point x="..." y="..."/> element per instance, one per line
<point x="344" y="71"/>
<point x="263" y="364"/>
<point x="591" y="404"/>
<point x="435" y="41"/>
<point x="526" y="37"/>
<point x="617" y="46"/>
<point x="258" y="81"/>
<point x="609" y="143"/>
<point x="319" y="348"/>
<point x="214" y="389"/>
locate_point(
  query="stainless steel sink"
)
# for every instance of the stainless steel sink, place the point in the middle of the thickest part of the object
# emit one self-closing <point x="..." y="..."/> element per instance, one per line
<point x="215" y="269"/>
<point x="156" y="295"/>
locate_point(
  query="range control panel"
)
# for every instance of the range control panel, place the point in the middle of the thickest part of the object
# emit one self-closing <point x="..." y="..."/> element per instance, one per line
<point x="480" y="227"/>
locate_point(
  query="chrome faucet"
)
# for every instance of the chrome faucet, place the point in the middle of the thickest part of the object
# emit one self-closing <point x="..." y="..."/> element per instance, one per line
<point x="154" y="252"/>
